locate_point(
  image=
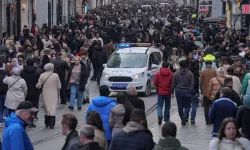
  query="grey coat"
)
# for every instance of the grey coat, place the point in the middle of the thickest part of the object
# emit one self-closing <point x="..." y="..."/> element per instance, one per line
<point x="116" y="117"/>
<point x="16" y="93"/>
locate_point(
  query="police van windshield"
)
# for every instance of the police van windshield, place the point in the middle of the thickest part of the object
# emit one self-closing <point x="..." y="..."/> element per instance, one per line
<point x="127" y="60"/>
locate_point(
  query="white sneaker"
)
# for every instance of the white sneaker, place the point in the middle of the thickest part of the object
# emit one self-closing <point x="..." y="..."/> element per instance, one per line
<point x="1" y="125"/>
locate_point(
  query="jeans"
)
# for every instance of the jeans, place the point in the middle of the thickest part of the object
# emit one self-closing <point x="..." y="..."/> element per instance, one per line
<point x="183" y="98"/>
<point x="63" y="92"/>
<point x="74" y="91"/>
<point x="161" y="100"/>
<point x="194" y="106"/>
<point x="2" y="107"/>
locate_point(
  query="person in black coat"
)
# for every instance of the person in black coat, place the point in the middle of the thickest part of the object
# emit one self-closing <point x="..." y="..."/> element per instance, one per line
<point x="60" y="67"/>
<point x="228" y="82"/>
<point x="99" y="57"/>
<point x="69" y="123"/>
<point x="31" y="75"/>
<point x="133" y="99"/>
<point x="242" y="116"/>
<point x="133" y="133"/>
<point x="87" y="135"/>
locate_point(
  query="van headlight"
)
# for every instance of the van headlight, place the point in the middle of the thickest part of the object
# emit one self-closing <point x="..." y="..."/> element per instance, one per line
<point x="105" y="75"/>
<point x="139" y="75"/>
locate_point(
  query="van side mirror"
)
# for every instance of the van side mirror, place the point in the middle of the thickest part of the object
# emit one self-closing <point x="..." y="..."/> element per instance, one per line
<point x="154" y="66"/>
<point x="104" y="65"/>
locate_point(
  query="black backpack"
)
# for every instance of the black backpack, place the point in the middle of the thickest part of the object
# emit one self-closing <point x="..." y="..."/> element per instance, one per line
<point x="3" y="87"/>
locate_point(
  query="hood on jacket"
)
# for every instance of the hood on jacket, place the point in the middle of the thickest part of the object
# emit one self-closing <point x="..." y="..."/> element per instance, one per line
<point x="102" y="101"/>
<point x="132" y="126"/>
<point x="209" y="57"/>
<point x="29" y="69"/>
<point x="165" y="71"/>
<point x="14" y="119"/>
<point x="183" y="71"/>
<point x="118" y="110"/>
<point x="170" y="142"/>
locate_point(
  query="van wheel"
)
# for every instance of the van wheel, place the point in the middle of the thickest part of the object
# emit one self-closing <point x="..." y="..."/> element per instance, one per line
<point x="148" y="90"/>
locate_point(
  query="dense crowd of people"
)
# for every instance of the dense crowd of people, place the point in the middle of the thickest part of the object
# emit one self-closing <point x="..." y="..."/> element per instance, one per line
<point x="202" y="61"/>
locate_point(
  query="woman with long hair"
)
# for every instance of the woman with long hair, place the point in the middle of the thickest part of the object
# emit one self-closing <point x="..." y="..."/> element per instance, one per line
<point x="94" y="120"/>
<point x="229" y="137"/>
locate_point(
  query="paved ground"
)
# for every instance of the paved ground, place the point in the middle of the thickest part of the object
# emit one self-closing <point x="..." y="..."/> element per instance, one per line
<point x="194" y="137"/>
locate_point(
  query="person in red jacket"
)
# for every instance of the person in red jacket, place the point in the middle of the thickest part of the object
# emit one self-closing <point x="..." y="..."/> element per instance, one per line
<point x="162" y="81"/>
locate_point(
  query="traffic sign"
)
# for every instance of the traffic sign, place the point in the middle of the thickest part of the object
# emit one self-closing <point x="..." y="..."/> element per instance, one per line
<point x="245" y="9"/>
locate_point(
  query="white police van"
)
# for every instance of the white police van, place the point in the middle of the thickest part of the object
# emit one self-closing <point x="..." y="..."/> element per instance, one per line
<point x="132" y="64"/>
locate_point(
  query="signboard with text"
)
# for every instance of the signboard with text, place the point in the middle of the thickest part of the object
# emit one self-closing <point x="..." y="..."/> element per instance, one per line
<point x="245" y="9"/>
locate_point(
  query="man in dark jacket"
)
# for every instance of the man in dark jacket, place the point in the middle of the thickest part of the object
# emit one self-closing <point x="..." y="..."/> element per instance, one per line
<point x="228" y="82"/>
<point x="133" y="133"/>
<point x="162" y="82"/>
<point x="221" y="109"/>
<point x="69" y="123"/>
<point x="99" y="57"/>
<point x="87" y="135"/>
<point x="182" y="85"/>
<point x="60" y="66"/>
<point x="132" y="97"/>
<point x="31" y="75"/>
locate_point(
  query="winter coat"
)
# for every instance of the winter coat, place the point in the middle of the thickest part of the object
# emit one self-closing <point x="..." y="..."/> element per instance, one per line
<point x="102" y="105"/>
<point x="235" y="97"/>
<point x="91" y="146"/>
<point x="163" y="81"/>
<point x="224" y="144"/>
<point x="116" y="118"/>
<point x="183" y="79"/>
<point x="14" y="136"/>
<point x="16" y="93"/>
<point x="100" y="137"/>
<point x="31" y="75"/>
<point x="134" y="136"/>
<point x="205" y="77"/>
<point x="214" y="85"/>
<point x="50" y="92"/>
<point x="221" y="109"/>
<point x="83" y="77"/>
<point x="169" y="143"/>
<point x="236" y="83"/>
<point x="174" y="61"/>
<point x="136" y="102"/>
<point x="196" y="74"/>
<point x="72" y="141"/>
<point x="245" y="84"/>
<point x="99" y="56"/>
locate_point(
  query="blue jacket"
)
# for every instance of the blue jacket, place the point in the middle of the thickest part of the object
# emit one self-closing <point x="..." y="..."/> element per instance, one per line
<point x="102" y="105"/>
<point x="221" y="109"/>
<point x="15" y="136"/>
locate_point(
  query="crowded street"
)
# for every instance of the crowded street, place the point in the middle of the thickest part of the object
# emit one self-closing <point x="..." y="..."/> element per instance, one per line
<point x="125" y="75"/>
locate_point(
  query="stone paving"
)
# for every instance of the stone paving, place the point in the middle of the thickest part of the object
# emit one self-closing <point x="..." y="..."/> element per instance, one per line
<point x="194" y="137"/>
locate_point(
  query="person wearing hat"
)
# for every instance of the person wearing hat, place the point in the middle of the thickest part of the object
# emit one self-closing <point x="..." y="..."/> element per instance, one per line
<point x="102" y="105"/>
<point x="243" y="114"/>
<point x="14" y="135"/>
